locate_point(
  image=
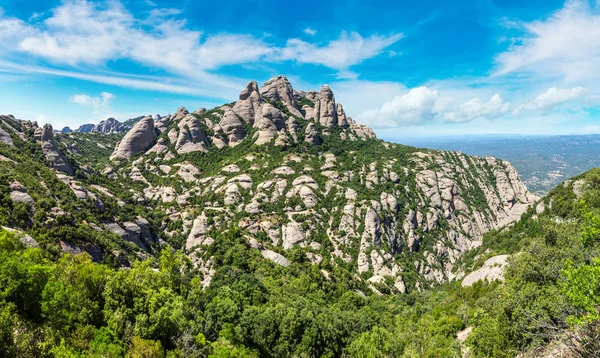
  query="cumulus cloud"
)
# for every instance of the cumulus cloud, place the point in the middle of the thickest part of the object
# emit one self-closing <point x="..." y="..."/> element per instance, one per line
<point x="99" y="104"/>
<point x="565" y="45"/>
<point x="422" y="105"/>
<point x="339" y="54"/>
<point x="551" y="98"/>
<point x="310" y="31"/>
<point x="476" y="108"/>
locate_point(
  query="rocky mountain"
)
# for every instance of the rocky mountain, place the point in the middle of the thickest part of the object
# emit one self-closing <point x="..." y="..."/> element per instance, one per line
<point x="291" y="170"/>
<point x="109" y="125"/>
<point x="66" y="130"/>
<point x="85" y="128"/>
<point x="278" y="226"/>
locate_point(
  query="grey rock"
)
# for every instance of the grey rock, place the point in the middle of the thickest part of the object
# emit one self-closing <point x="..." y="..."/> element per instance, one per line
<point x="311" y="135"/>
<point x="275" y="257"/>
<point x="58" y="161"/>
<point x="248" y="106"/>
<point x="279" y="89"/>
<point x="139" y="139"/>
<point x="327" y="108"/>
<point x="192" y="137"/>
<point x="85" y="128"/>
<point x="232" y="127"/>
<point x="109" y="125"/>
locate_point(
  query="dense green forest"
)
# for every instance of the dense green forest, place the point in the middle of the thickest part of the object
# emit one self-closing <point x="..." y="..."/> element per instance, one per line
<point x="67" y="306"/>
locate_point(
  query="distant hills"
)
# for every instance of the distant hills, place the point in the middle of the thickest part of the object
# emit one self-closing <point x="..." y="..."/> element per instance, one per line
<point x="109" y="125"/>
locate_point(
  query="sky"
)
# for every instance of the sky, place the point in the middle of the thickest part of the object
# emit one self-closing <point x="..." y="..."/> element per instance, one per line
<point x="405" y="68"/>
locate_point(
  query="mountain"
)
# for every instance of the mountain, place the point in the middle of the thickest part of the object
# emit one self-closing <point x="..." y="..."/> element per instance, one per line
<point x="271" y="226"/>
<point x="109" y="125"/>
<point x="85" y="128"/>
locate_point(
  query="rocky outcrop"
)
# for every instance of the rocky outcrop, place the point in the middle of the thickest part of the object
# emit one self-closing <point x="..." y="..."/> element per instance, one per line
<point x="109" y="125"/>
<point x="6" y="138"/>
<point x="492" y="270"/>
<point x="326" y="107"/>
<point x="66" y="130"/>
<point x="18" y="194"/>
<point x="269" y="123"/>
<point x="248" y="105"/>
<point x="311" y="135"/>
<point x="192" y="137"/>
<point x="275" y="257"/>
<point x="139" y="139"/>
<point x="45" y="136"/>
<point x="279" y="89"/>
<point x="232" y="127"/>
<point x="85" y="128"/>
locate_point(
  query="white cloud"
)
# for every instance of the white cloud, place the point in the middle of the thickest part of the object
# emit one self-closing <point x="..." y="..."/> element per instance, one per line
<point x="310" y="31"/>
<point x="86" y="33"/>
<point x="81" y="38"/>
<point x="553" y="97"/>
<point x="99" y="104"/>
<point x="340" y="54"/>
<point x="423" y="105"/>
<point x="565" y="45"/>
<point x="476" y="108"/>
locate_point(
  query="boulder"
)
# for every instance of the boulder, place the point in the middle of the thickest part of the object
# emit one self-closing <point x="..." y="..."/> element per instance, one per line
<point x="275" y="257"/>
<point x="269" y="124"/>
<point x="232" y="127"/>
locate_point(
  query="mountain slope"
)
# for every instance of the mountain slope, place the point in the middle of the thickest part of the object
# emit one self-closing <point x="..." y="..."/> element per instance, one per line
<point x="272" y="226"/>
<point x="323" y="183"/>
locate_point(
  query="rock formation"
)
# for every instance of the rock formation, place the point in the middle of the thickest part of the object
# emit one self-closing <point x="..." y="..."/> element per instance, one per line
<point x="45" y="136"/>
<point x="85" y="128"/>
<point x="109" y="125"/>
<point x="140" y="138"/>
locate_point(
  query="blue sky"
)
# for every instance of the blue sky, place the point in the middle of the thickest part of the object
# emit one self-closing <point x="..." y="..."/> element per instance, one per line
<point x="405" y="68"/>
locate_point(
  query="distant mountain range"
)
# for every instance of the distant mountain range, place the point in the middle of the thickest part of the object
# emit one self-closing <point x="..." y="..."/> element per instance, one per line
<point x="542" y="161"/>
<point x="109" y="125"/>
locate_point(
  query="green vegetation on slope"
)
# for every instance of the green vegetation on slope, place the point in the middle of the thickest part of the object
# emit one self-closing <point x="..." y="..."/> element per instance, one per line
<point x="70" y="307"/>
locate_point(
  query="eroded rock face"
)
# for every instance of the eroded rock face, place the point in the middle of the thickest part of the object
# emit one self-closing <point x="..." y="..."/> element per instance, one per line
<point x="139" y="139"/>
<point x="327" y="108"/>
<point x="270" y="122"/>
<point x="4" y="135"/>
<point x="109" y="125"/>
<point x="248" y="106"/>
<point x="232" y="127"/>
<point x="275" y="257"/>
<point x="45" y="136"/>
<point x="279" y="89"/>
<point x="192" y="137"/>
<point x="311" y="135"/>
